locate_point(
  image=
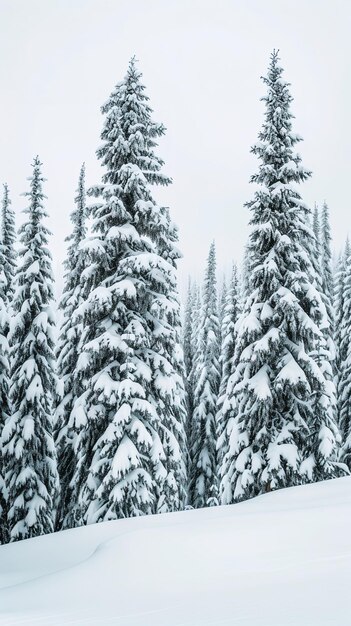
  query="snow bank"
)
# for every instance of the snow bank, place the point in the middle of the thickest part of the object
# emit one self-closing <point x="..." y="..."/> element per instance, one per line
<point x="281" y="559"/>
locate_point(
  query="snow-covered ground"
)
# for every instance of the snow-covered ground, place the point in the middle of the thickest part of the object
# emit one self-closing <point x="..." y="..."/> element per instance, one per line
<point x="281" y="559"/>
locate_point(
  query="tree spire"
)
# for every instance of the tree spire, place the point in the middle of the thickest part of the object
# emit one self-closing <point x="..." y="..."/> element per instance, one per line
<point x="8" y="238"/>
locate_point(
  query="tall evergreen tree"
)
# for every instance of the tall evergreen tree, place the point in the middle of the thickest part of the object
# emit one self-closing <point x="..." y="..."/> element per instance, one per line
<point x="193" y="339"/>
<point x="188" y="322"/>
<point x="8" y="238"/>
<point x="320" y="256"/>
<point x="228" y="341"/>
<point x="203" y="478"/>
<point x="244" y="276"/>
<point x="130" y="448"/>
<point x="279" y="419"/>
<point x="327" y="273"/>
<point x="69" y="341"/>
<point x="7" y="270"/>
<point x="4" y="395"/>
<point x="326" y="253"/>
<point x="189" y="352"/>
<point x="222" y="303"/>
<point x="317" y="234"/>
<point x="343" y="324"/>
<point x="339" y="308"/>
<point x="31" y="470"/>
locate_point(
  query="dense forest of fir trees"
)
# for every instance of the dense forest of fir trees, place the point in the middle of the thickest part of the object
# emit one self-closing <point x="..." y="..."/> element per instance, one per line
<point x="127" y="409"/>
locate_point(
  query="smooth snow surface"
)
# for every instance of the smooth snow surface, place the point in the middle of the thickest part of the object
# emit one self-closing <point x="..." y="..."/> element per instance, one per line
<point x="281" y="559"/>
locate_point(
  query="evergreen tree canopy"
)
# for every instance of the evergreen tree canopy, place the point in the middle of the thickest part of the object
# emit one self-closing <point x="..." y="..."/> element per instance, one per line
<point x="228" y="338"/>
<point x="343" y="337"/>
<point x="8" y="238"/>
<point x="31" y="471"/>
<point x="69" y="341"/>
<point x="130" y="446"/>
<point x="327" y="270"/>
<point x="203" y="478"/>
<point x="188" y="325"/>
<point x="4" y="394"/>
<point x="278" y="418"/>
<point x="189" y="357"/>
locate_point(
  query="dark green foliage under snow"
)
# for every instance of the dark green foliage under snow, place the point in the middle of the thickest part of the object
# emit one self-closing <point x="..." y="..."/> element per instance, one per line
<point x="139" y="427"/>
<point x="68" y="349"/>
<point x="280" y="429"/>
<point x="230" y="317"/>
<point x="31" y="471"/>
<point x="130" y="445"/>
<point x="203" y="476"/>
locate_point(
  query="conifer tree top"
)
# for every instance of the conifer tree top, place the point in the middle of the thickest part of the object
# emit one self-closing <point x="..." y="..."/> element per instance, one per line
<point x="78" y="219"/>
<point x="129" y="134"/>
<point x="8" y="237"/>
<point x="276" y="139"/>
<point x="36" y="207"/>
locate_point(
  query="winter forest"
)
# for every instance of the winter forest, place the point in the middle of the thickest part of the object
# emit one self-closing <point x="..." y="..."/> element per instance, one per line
<point x="120" y="400"/>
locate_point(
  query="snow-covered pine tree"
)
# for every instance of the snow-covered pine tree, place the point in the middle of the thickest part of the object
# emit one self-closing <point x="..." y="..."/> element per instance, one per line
<point x="189" y="352"/>
<point x="317" y="233"/>
<point x="327" y="273"/>
<point x="221" y="304"/>
<point x="31" y="469"/>
<point x="7" y="270"/>
<point x="326" y="285"/>
<point x="8" y="238"/>
<point x="339" y="305"/>
<point x="315" y="250"/>
<point x="169" y="369"/>
<point x="4" y="395"/>
<point x="69" y="340"/>
<point x="203" y="477"/>
<point x="278" y="417"/>
<point x="244" y="277"/>
<point x="130" y="449"/>
<point x="228" y="340"/>
<point x="320" y="256"/>
<point x="343" y="320"/>
<point x="187" y="326"/>
<point x="192" y="373"/>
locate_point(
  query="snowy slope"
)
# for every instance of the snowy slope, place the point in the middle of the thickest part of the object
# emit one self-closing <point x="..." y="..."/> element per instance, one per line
<point x="281" y="559"/>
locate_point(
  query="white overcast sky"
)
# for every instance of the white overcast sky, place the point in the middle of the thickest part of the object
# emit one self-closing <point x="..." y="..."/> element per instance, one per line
<point x="202" y="62"/>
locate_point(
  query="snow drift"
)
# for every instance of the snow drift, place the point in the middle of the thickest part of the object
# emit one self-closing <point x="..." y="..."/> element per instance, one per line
<point x="281" y="559"/>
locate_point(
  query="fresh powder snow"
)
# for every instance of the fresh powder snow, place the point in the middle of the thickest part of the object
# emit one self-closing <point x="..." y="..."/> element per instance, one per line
<point x="281" y="559"/>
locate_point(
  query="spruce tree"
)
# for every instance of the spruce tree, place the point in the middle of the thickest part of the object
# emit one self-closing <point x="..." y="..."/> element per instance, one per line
<point x="343" y="324"/>
<point x="228" y="341"/>
<point x="189" y="353"/>
<point x="8" y="238"/>
<point x="244" y="276"/>
<point x="339" y="306"/>
<point x="326" y="254"/>
<point x="221" y="305"/>
<point x="69" y="341"/>
<point x="278" y="419"/>
<point x="31" y="470"/>
<point x="187" y="327"/>
<point x="203" y="477"/>
<point x="192" y="374"/>
<point x="327" y="274"/>
<point x="7" y="270"/>
<point x="317" y="235"/>
<point x="4" y="394"/>
<point x="130" y="448"/>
